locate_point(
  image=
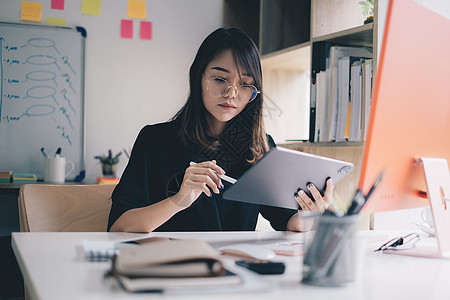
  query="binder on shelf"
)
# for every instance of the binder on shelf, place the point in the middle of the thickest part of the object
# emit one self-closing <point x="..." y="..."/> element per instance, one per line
<point x="321" y="106"/>
<point x="333" y="105"/>
<point x="312" y="109"/>
<point x="355" y="112"/>
<point x="367" y="76"/>
<point x="344" y="77"/>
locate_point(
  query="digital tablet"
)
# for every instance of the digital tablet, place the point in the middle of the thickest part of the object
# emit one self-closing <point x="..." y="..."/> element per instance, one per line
<point x="275" y="178"/>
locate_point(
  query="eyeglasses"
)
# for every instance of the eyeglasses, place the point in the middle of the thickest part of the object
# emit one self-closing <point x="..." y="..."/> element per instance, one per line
<point x="400" y="243"/>
<point x="219" y="87"/>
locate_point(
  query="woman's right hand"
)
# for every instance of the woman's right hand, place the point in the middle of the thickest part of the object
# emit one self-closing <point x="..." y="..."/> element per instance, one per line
<point x="198" y="178"/>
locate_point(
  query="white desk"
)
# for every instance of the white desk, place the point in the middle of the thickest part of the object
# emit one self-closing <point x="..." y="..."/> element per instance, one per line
<point x="53" y="268"/>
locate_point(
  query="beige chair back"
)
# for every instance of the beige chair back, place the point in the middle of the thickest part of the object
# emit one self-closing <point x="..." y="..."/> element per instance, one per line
<point x="64" y="208"/>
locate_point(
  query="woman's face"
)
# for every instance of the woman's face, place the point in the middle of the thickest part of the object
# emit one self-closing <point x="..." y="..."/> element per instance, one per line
<point x="222" y="109"/>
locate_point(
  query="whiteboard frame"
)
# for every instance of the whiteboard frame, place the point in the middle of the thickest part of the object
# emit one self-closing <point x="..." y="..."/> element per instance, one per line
<point x="81" y="163"/>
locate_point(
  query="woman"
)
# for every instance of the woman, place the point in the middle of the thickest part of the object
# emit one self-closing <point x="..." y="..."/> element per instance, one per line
<point x="220" y="128"/>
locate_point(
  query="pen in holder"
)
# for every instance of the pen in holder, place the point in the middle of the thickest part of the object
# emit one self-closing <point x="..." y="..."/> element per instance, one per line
<point x="335" y="252"/>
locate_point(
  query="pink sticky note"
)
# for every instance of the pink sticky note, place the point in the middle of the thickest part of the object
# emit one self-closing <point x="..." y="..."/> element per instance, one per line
<point x="57" y="4"/>
<point x="126" y="29"/>
<point x="146" y="30"/>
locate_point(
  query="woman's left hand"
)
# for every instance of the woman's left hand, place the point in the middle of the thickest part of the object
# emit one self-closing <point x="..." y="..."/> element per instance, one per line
<point x="320" y="203"/>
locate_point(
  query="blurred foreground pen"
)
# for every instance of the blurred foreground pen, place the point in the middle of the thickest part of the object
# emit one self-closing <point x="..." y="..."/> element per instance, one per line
<point x="374" y="185"/>
<point x="224" y="177"/>
<point x="359" y="200"/>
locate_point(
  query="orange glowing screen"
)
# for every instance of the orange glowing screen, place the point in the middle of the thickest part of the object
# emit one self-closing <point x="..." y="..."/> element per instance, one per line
<point x="410" y="114"/>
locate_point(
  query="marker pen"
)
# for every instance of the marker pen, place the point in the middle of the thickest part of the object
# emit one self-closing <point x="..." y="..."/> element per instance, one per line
<point x="44" y="152"/>
<point x="58" y="152"/>
<point x="224" y="177"/>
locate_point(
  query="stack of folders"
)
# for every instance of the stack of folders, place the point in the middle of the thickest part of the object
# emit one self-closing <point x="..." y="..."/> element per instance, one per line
<point x="343" y="95"/>
<point x="5" y="176"/>
<point x="24" y="177"/>
<point x="170" y="265"/>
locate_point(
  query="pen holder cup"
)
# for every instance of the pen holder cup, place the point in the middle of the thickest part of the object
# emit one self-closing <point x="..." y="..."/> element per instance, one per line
<point x="334" y="252"/>
<point x="55" y="169"/>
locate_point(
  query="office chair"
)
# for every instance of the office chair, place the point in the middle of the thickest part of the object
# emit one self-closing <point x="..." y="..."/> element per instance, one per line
<point x="64" y="208"/>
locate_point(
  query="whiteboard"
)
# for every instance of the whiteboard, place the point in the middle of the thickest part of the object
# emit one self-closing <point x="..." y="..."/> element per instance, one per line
<point x="42" y="96"/>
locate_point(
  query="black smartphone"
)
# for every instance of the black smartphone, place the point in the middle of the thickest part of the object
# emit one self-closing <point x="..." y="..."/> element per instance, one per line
<point x="262" y="266"/>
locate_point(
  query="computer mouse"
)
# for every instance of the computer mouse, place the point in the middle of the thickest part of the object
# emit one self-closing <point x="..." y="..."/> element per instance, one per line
<point x="248" y="251"/>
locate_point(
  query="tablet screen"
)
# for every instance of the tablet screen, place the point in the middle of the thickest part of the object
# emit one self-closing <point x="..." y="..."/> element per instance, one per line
<point x="275" y="178"/>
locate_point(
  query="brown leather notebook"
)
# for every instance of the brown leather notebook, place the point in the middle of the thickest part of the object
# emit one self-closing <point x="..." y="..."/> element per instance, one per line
<point x="179" y="258"/>
<point x="170" y="265"/>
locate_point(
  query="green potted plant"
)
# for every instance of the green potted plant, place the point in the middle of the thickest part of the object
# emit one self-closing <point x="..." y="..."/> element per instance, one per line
<point x="367" y="9"/>
<point x="109" y="163"/>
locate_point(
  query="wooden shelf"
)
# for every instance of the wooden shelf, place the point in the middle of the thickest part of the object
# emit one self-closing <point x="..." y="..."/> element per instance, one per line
<point x="330" y="16"/>
<point x="358" y="36"/>
<point x="296" y="58"/>
<point x="321" y="144"/>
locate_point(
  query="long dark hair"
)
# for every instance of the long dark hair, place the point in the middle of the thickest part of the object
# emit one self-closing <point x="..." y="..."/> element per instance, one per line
<point x="193" y="114"/>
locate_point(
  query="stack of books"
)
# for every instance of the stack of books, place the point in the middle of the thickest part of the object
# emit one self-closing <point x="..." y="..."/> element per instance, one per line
<point x="107" y="180"/>
<point x="24" y="177"/>
<point x="5" y="176"/>
<point x="342" y="95"/>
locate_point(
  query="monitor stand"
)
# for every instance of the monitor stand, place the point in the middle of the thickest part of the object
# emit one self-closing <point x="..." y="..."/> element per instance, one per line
<point x="437" y="179"/>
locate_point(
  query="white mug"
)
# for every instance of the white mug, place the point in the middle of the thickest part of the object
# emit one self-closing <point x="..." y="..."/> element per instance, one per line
<point x="55" y="169"/>
<point x="427" y="216"/>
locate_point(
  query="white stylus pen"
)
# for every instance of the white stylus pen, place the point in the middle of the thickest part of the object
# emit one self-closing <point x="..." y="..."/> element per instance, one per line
<point x="224" y="177"/>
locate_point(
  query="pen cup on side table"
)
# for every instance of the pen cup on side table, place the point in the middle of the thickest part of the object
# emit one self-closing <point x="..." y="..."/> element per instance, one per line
<point x="55" y="169"/>
<point x="334" y="255"/>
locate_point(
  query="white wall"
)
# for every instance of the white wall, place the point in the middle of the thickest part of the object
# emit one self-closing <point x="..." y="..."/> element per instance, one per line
<point x="286" y="104"/>
<point x="441" y="7"/>
<point x="131" y="83"/>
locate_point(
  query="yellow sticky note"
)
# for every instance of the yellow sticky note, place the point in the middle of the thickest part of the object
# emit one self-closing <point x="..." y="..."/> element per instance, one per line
<point x="31" y="11"/>
<point x="91" y="7"/>
<point x="55" y="21"/>
<point x="136" y="9"/>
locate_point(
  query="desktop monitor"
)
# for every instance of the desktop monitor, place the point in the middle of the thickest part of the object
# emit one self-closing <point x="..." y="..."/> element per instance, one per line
<point x="410" y="114"/>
